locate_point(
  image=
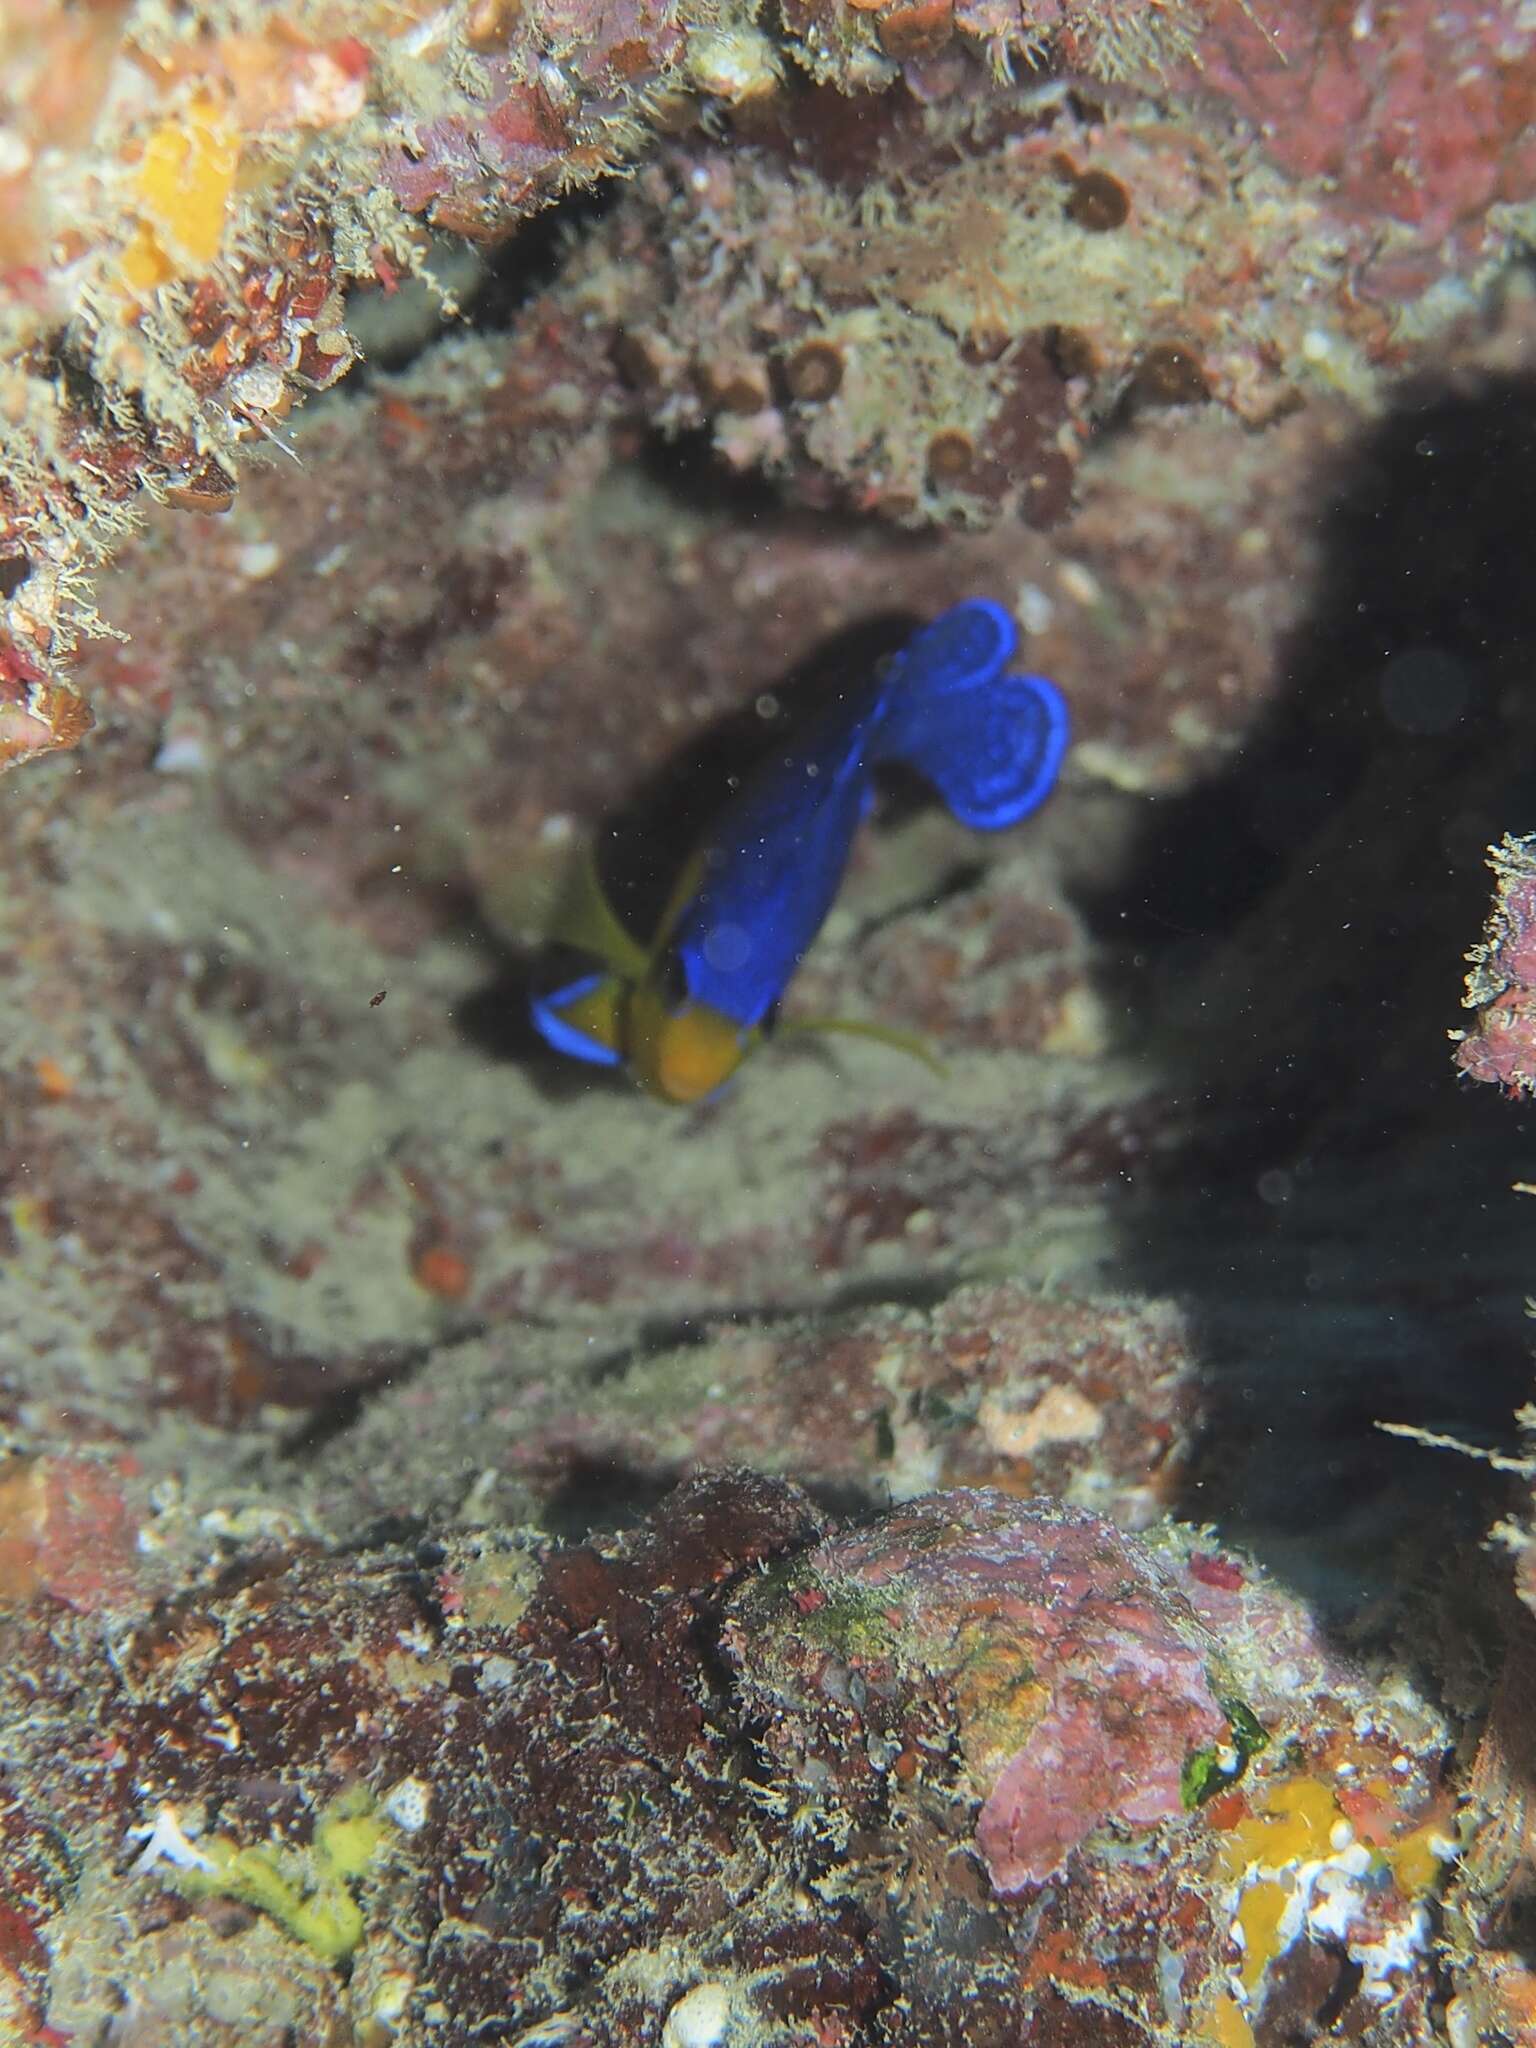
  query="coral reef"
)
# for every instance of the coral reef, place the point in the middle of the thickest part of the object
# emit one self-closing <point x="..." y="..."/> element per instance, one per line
<point x="732" y="1764"/>
<point x="378" y="1665"/>
<point x="1490" y="1907"/>
<point x="1489" y="1904"/>
<point x="916" y="286"/>
<point x="186" y="195"/>
<point x="998" y="1386"/>
<point x="1501" y="1047"/>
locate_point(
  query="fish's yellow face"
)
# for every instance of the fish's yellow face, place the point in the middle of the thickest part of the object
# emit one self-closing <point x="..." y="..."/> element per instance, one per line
<point x="681" y="1055"/>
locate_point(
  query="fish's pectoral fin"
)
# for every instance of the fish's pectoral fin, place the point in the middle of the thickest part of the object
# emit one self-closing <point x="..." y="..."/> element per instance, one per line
<point x="912" y="1043"/>
<point x="583" y="1019"/>
<point x="585" y="920"/>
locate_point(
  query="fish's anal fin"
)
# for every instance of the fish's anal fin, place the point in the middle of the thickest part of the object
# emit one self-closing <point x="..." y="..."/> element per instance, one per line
<point x="912" y="1043"/>
<point x="582" y="1019"/>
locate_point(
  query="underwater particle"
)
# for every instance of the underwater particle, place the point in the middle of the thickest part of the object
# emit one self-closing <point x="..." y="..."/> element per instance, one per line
<point x="1169" y="374"/>
<point x="951" y="457"/>
<point x="1099" y="202"/>
<point x="814" y="372"/>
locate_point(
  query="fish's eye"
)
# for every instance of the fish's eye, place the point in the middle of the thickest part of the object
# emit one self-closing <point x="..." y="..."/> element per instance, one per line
<point x="672" y="981"/>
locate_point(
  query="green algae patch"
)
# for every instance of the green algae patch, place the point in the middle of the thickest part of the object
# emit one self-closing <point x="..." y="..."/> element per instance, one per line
<point x="853" y="1621"/>
<point x="1212" y="1770"/>
<point x="308" y="1892"/>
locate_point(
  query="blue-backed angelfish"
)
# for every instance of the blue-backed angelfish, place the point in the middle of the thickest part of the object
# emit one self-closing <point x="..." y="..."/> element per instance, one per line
<point x="682" y="1012"/>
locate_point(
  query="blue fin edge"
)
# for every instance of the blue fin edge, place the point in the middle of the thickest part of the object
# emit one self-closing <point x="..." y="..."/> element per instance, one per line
<point x="1026" y="797"/>
<point x="935" y="673"/>
<point x="564" y="1037"/>
<point x="1058" y="731"/>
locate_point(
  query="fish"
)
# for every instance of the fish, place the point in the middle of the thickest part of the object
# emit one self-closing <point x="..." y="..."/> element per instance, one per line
<point x="683" y="1011"/>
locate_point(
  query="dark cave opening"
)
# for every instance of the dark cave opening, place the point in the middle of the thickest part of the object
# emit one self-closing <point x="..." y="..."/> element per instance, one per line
<point x="1340" y="1219"/>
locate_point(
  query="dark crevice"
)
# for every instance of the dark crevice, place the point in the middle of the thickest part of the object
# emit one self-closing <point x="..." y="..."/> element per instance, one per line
<point x="600" y="1496"/>
<point x="530" y="261"/>
<point x="687" y="469"/>
<point x="332" y="1417"/>
<point x="1289" y="940"/>
<point x="661" y="1334"/>
<point x="399" y="323"/>
<point x="1346" y="1987"/>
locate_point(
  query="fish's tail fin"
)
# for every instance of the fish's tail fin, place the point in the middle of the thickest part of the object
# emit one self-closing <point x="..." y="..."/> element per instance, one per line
<point x="970" y="644"/>
<point x="991" y="744"/>
<point x="993" y="753"/>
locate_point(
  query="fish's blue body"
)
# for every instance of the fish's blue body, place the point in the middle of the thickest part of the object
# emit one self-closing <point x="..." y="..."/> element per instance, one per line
<point x="685" y="1011"/>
